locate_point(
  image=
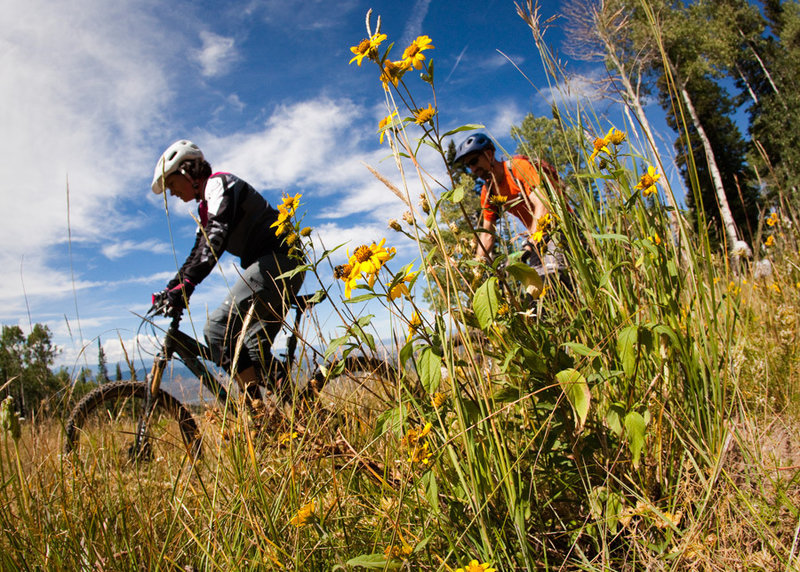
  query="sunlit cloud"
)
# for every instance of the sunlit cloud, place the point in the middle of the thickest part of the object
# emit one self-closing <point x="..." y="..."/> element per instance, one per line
<point x="216" y="55"/>
<point x="123" y="248"/>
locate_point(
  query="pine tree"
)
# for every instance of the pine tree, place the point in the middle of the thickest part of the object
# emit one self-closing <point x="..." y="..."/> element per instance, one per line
<point x="102" y="369"/>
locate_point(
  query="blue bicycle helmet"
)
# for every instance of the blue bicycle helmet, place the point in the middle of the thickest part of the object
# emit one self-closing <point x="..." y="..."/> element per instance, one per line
<point x="475" y="142"/>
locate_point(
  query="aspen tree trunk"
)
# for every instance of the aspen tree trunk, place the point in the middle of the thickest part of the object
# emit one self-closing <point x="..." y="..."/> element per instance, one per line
<point x="724" y="208"/>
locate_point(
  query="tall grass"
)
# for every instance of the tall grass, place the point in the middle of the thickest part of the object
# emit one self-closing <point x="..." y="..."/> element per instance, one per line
<point x="642" y="417"/>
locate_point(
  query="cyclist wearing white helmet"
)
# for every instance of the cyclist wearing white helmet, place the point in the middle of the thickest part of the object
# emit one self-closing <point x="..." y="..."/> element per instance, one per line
<point x="235" y="218"/>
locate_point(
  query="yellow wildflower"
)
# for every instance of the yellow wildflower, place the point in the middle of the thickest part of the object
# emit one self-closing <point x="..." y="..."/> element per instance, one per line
<point x="290" y="203"/>
<point x="285" y="438"/>
<point x="303" y="516"/>
<point x="392" y="72"/>
<point x="616" y="137"/>
<point x="413" y="325"/>
<point x="367" y="48"/>
<point x="503" y="310"/>
<point x="424" y="114"/>
<point x="413" y="56"/>
<point x="368" y="260"/>
<point x="647" y="184"/>
<point x="773" y="219"/>
<point x="393" y="551"/>
<point x="306" y="231"/>
<point x="655" y="239"/>
<point x="474" y="566"/>
<point x="770" y="241"/>
<point x="775" y="288"/>
<point x="401" y="289"/>
<point x="386" y="122"/>
<point x="601" y="145"/>
<point x="498" y="200"/>
<point x="438" y="399"/>
<point x="415" y="441"/>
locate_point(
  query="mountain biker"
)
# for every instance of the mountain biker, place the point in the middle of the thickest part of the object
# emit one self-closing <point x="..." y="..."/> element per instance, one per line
<point x="514" y="186"/>
<point x="235" y="218"/>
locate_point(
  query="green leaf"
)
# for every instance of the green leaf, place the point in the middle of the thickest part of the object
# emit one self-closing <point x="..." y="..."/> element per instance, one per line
<point x="429" y="369"/>
<point x="468" y="127"/>
<point x="335" y="345"/>
<point x="634" y="431"/>
<point x="574" y="386"/>
<point x="525" y="274"/>
<point x="612" y="236"/>
<point x="614" y="416"/>
<point x="374" y="562"/>
<point x="361" y="298"/>
<point x="458" y="194"/>
<point x="582" y="349"/>
<point x="628" y="349"/>
<point x="293" y="271"/>
<point x="485" y="303"/>
<point x="431" y="490"/>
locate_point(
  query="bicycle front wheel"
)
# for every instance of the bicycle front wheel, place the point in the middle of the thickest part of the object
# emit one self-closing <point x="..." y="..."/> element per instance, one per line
<point x="104" y="425"/>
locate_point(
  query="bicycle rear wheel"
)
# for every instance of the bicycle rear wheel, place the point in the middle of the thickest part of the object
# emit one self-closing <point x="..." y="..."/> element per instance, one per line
<point x="103" y="427"/>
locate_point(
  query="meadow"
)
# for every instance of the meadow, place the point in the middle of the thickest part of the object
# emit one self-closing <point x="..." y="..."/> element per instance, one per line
<point x="640" y="413"/>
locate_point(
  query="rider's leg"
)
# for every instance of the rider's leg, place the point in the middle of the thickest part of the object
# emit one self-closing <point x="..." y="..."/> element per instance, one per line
<point x="254" y="299"/>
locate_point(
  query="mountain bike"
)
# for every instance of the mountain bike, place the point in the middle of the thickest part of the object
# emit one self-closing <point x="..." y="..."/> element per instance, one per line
<point x="133" y="420"/>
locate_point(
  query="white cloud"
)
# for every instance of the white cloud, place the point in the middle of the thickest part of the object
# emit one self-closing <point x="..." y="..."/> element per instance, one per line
<point x="216" y="54"/>
<point x="119" y="249"/>
<point x="413" y="26"/>
<point x="78" y="106"/>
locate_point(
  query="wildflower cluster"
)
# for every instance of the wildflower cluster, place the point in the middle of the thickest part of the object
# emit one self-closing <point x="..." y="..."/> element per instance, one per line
<point x="392" y="72"/>
<point x="600" y="144"/>
<point x="365" y="262"/>
<point x="285" y="212"/>
<point x="544" y="226"/>
<point x="415" y="442"/>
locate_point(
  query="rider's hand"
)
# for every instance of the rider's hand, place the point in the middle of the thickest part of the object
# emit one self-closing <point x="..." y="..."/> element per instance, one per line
<point x="175" y="297"/>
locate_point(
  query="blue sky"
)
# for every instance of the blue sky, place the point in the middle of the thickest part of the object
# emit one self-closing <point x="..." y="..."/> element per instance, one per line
<point x="93" y="91"/>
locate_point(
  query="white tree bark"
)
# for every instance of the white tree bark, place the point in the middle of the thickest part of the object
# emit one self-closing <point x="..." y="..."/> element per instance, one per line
<point x="724" y="207"/>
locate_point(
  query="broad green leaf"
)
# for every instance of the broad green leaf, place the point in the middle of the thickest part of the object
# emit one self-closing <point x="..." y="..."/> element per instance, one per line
<point x="628" y="348"/>
<point x="614" y="417"/>
<point x="485" y="303"/>
<point x="582" y="349"/>
<point x="574" y="386"/>
<point x="526" y="275"/>
<point x="458" y="194"/>
<point x="429" y="369"/>
<point x="634" y="431"/>
<point x="293" y="271"/>
<point x="361" y="298"/>
<point x="431" y="490"/>
<point x="335" y="345"/>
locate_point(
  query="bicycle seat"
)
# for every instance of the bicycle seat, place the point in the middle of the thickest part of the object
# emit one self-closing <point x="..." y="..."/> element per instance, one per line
<point x="305" y="302"/>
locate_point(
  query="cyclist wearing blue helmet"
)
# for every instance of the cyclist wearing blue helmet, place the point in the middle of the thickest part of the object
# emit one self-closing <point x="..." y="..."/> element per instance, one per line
<point x="514" y="186"/>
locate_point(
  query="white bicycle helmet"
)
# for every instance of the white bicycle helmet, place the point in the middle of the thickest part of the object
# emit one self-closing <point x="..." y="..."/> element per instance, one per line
<point x="171" y="160"/>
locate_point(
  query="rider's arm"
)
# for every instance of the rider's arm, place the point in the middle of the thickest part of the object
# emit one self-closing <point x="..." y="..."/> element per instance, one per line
<point x="483" y="252"/>
<point x="211" y="240"/>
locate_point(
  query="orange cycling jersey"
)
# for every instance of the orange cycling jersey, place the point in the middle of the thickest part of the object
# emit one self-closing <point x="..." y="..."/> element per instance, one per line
<point x="518" y="173"/>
